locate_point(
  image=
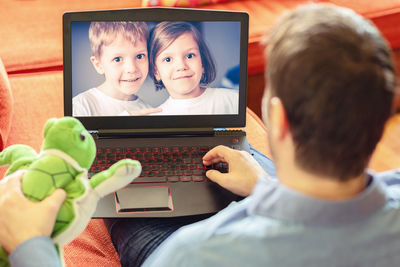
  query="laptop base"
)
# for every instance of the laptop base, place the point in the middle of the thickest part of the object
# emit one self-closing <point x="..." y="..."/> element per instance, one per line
<point x="169" y="199"/>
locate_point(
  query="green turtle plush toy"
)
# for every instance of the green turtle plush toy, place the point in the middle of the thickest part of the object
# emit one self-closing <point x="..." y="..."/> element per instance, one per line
<point x="67" y="153"/>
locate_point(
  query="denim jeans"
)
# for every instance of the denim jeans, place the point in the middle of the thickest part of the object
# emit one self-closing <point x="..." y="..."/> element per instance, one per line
<point x="136" y="238"/>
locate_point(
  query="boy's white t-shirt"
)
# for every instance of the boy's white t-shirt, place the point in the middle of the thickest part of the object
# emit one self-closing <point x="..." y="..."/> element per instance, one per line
<point x="211" y="101"/>
<point x="93" y="102"/>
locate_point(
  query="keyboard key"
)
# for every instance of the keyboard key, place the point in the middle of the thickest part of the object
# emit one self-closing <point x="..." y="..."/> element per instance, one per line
<point x="173" y="179"/>
<point x="197" y="160"/>
<point x="199" y="172"/>
<point x="183" y="166"/>
<point x="197" y="178"/>
<point x="192" y="166"/>
<point x="178" y="172"/>
<point x="186" y="178"/>
<point x="187" y="172"/>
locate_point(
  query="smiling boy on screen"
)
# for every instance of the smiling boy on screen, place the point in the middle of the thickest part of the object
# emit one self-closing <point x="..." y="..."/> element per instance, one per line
<point x="120" y="54"/>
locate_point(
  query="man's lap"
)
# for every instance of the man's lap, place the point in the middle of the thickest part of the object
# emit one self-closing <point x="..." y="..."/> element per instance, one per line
<point x="136" y="238"/>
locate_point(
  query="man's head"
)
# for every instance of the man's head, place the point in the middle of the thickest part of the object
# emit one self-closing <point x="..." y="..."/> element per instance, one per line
<point x="335" y="77"/>
<point x="120" y="53"/>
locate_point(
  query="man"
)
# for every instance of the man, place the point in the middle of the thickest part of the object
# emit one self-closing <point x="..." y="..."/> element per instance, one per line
<point x="331" y="83"/>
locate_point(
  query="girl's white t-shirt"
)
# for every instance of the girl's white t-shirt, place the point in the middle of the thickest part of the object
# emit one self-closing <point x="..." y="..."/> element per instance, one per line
<point x="211" y="101"/>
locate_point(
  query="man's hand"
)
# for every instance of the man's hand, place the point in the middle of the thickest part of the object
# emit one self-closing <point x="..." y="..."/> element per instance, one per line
<point x="244" y="170"/>
<point x="22" y="219"/>
<point x="144" y="111"/>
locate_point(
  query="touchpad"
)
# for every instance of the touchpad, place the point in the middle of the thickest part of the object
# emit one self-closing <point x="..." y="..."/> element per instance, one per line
<point x="142" y="199"/>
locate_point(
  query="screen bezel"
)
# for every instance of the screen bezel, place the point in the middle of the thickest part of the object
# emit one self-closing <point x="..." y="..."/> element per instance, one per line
<point x="161" y="121"/>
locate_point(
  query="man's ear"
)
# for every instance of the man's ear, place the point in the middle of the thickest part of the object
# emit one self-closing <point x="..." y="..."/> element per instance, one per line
<point x="265" y="106"/>
<point x="278" y="119"/>
<point x="97" y="65"/>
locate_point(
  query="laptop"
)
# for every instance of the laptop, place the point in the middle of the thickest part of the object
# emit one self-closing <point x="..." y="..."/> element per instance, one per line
<point x="168" y="145"/>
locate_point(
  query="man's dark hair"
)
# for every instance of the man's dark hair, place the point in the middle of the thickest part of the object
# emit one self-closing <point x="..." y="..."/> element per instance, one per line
<point x="335" y="76"/>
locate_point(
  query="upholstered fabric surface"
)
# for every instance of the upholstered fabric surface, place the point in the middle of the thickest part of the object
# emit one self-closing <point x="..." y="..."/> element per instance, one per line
<point x="32" y="30"/>
<point x="93" y="247"/>
<point x="37" y="98"/>
<point x="181" y="3"/>
<point x="33" y="36"/>
<point x="6" y="106"/>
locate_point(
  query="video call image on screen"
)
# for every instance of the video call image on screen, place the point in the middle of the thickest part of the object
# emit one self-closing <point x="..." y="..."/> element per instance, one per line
<point x="183" y="68"/>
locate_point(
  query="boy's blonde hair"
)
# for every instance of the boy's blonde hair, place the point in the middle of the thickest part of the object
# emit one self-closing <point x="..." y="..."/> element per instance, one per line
<point x="104" y="33"/>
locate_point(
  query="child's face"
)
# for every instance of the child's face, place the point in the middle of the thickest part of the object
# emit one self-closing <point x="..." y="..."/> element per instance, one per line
<point x="179" y="67"/>
<point x="125" y="66"/>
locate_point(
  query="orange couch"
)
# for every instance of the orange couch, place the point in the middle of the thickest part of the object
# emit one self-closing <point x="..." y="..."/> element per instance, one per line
<point x="31" y="49"/>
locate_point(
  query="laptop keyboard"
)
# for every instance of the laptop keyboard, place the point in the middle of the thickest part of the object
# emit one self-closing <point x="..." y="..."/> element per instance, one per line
<point x="160" y="164"/>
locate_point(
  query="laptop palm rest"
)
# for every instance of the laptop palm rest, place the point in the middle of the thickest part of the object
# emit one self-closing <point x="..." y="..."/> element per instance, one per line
<point x="144" y="199"/>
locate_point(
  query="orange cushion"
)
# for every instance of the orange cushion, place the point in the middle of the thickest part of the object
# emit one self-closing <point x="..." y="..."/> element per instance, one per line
<point x="93" y="247"/>
<point x="34" y="28"/>
<point x="385" y="14"/>
<point x="37" y="97"/>
<point x="257" y="133"/>
<point x="181" y="3"/>
<point x="6" y="106"/>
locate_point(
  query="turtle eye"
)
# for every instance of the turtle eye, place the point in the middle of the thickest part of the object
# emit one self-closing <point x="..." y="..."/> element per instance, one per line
<point x="82" y="136"/>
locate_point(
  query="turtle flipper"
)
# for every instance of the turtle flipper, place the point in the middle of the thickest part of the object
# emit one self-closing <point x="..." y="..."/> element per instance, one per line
<point x="117" y="176"/>
<point x="17" y="157"/>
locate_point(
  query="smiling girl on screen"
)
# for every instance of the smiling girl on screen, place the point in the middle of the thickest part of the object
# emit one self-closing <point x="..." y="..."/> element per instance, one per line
<point x="181" y="62"/>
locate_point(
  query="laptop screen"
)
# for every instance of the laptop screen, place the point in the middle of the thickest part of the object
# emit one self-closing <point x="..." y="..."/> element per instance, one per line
<point x="155" y="68"/>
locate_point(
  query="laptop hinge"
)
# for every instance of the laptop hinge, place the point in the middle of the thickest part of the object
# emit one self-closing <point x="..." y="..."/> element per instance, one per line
<point x="161" y="132"/>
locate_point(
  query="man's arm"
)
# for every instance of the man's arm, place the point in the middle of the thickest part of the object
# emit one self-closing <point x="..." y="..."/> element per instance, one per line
<point x="36" y="251"/>
<point x="243" y="173"/>
<point x="22" y="219"/>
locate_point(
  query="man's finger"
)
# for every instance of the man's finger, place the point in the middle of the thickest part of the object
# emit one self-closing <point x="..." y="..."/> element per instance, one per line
<point x="215" y="176"/>
<point x="12" y="183"/>
<point x="13" y="178"/>
<point x="56" y="198"/>
<point x="219" y="152"/>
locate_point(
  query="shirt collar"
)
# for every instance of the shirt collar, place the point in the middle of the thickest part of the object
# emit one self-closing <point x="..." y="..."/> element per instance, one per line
<point x="275" y="200"/>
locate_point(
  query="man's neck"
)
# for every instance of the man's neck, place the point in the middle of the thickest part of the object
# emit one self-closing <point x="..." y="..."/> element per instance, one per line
<point x="323" y="187"/>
